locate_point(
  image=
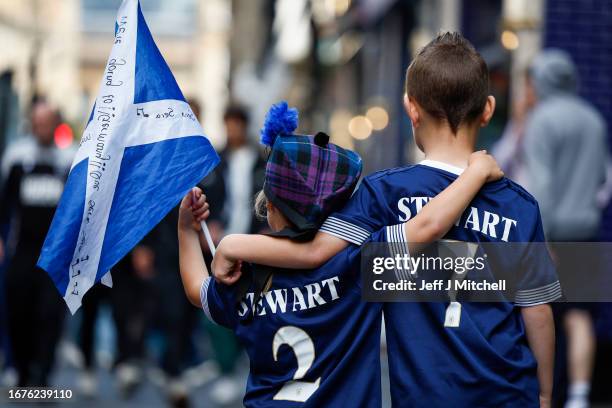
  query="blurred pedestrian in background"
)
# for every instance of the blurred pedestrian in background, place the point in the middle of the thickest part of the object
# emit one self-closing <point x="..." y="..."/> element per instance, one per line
<point x="234" y="184"/>
<point x="133" y="304"/>
<point x="174" y="316"/>
<point x="566" y="154"/>
<point x="33" y="174"/>
<point x="92" y="301"/>
<point x="509" y="149"/>
<point x="145" y="283"/>
<point x="242" y="167"/>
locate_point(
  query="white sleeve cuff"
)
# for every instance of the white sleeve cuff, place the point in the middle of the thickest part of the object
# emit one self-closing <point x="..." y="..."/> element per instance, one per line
<point x="398" y="246"/>
<point x="345" y="230"/>
<point x="204" y="298"/>
<point x="538" y="296"/>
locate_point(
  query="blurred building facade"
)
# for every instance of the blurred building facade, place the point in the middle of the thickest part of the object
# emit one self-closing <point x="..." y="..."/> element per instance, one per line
<point x="334" y="59"/>
<point x="58" y="49"/>
<point x="40" y="55"/>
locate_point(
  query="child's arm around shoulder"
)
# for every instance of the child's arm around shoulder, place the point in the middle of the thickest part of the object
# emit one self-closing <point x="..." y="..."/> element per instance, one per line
<point x="432" y="223"/>
<point x="272" y="251"/>
<point x="440" y="213"/>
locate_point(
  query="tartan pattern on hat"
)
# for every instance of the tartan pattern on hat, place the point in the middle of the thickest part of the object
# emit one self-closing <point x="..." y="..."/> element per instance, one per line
<point x="311" y="180"/>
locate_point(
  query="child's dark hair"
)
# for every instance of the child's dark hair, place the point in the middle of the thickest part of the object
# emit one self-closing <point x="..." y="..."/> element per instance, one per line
<point x="449" y="79"/>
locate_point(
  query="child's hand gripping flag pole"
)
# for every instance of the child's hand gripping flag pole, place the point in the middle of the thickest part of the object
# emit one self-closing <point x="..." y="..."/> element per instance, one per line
<point x="209" y="240"/>
<point x="204" y="227"/>
<point x="141" y="151"/>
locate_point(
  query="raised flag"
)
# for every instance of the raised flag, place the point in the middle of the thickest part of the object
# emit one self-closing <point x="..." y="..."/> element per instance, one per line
<point x="141" y="151"/>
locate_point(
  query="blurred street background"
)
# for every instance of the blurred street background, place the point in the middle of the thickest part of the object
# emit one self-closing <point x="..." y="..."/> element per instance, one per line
<point x="341" y="62"/>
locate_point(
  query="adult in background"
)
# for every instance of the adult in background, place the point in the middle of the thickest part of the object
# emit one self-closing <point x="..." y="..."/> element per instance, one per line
<point x="566" y="154"/>
<point x="234" y="183"/>
<point x="133" y="305"/>
<point x="509" y="149"/>
<point x="33" y="174"/>
<point x="242" y="170"/>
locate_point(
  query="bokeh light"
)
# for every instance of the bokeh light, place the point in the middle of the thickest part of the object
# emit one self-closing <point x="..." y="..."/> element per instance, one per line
<point x="63" y="136"/>
<point x="378" y="116"/>
<point x="360" y="127"/>
<point x="510" y="40"/>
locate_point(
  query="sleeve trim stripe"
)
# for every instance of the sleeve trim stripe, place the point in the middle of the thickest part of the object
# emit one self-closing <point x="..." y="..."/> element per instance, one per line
<point x="552" y="297"/>
<point x="541" y="292"/>
<point x="396" y="241"/>
<point x="204" y="298"/>
<point x="538" y="295"/>
<point x="556" y="293"/>
<point x="339" y="223"/>
<point x="343" y="236"/>
<point x="396" y="233"/>
<point x="345" y="231"/>
<point x="535" y="290"/>
<point x="544" y="298"/>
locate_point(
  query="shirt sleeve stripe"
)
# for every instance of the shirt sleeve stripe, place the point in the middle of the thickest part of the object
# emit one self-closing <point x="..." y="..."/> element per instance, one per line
<point x="535" y="290"/>
<point x="551" y="298"/>
<point x="537" y="298"/>
<point x="538" y="295"/>
<point x="339" y="223"/>
<point x="544" y="294"/>
<point x="204" y="298"/>
<point x="345" y="230"/>
<point x="397" y="242"/>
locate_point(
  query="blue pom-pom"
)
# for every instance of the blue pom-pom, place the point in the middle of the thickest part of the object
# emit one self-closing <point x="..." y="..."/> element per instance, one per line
<point x="280" y="120"/>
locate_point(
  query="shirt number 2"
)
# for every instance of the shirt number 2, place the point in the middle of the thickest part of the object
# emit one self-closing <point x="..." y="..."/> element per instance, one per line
<point x="303" y="348"/>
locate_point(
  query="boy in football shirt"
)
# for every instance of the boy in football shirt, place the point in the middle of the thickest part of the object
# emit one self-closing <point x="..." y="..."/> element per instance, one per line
<point x="310" y="339"/>
<point x="472" y="354"/>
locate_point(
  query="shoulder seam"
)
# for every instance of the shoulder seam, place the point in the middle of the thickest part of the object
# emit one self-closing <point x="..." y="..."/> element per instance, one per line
<point x="380" y="173"/>
<point x="520" y="190"/>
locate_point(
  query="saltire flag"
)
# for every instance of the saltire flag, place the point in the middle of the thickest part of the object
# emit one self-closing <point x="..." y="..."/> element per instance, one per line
<point x="141" y="151"/>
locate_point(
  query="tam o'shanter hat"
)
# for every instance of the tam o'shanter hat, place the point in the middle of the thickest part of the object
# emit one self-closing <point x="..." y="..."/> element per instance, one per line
<point x="307" y="177"/>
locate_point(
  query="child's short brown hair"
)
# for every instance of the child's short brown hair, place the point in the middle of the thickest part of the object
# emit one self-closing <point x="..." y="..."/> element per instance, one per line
<point x="449" y="79"/>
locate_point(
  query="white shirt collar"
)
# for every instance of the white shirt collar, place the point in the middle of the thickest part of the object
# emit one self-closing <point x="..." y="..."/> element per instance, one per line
<point x="442" y="166"/>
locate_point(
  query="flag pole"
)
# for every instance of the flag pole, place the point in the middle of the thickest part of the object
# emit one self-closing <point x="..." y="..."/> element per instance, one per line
<point x="209" y="240"/>
<point x="205" y="230"/>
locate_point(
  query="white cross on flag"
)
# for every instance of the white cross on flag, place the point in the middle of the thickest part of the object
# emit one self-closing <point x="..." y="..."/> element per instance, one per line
<point x="141" y="151"/>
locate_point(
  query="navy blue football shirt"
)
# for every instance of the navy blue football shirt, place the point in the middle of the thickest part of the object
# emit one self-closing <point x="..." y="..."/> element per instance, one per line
<point x="311" y="340"/>
<point x="480" y="358"/>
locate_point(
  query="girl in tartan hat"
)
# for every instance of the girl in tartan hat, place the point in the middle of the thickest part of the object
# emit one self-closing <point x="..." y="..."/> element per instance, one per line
<point x="310" y="338"/>
<point x="306" y="177"/>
